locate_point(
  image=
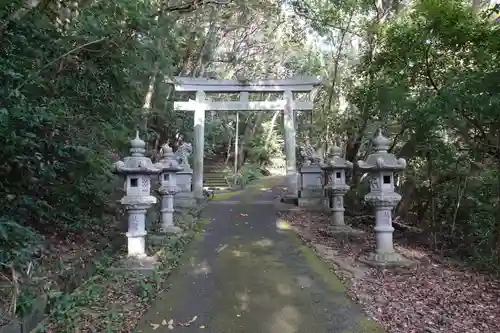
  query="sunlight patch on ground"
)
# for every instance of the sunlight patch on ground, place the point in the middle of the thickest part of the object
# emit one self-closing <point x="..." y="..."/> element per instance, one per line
<point x="243" y="298"/>
<point x="304" y="281"/>
<point x="239" y="254"/>
<point x="202" y="268"/>
<point x="284" y="289"/>
<point x="264" y="242"/>
<point x="283" y="225"/>
<point x="286" y="320"/>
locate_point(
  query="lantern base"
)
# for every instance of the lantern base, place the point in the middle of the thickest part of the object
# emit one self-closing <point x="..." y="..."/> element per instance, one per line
<point x="145" y="266"/>
<point x="386" y="260"/>
<point x="313" y="204"/>
<point x="289" y="198"/>
<point x="184" y="200"/>
<point x="171" y="229"/>
<point x="312" y="192"/>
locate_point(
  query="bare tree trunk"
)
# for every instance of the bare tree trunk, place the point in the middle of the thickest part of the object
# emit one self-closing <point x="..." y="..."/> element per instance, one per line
<point x="228" y="151"/>
<point x="147" y="105"/>
<point x="331" y="92"/>
<point x="271" y="129"/>
<point x="477" y="5"/>
<point x="496" y="246"/>
<point x="249" y="133"/>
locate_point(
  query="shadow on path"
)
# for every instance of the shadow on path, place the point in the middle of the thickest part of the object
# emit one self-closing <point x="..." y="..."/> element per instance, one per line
<point x="248" y="275"/>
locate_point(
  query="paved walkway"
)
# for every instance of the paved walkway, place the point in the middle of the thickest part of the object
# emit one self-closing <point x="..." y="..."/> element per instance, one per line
<point x="248" y="275"/>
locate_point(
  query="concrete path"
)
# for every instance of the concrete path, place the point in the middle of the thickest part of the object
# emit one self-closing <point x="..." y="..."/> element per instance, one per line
<point x="248" y="274"/>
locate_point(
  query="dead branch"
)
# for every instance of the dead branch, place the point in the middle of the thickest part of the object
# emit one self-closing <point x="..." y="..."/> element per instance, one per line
<point x="191" y="6"/>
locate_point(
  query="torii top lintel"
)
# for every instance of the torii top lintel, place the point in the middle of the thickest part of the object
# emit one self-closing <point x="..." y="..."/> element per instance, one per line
<point x="298" y="84"/>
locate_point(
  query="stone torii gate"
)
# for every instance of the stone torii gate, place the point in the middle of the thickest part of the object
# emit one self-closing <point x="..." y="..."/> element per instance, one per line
<point x="287" y="104"/>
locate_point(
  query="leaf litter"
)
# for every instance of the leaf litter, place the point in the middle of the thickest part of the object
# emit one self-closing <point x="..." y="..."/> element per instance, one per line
<point x="171" y="323"/>
<point x="436" y="295"/>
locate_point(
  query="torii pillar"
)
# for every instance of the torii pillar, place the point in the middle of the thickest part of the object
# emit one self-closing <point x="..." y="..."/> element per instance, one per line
<point x="292" y="190"/>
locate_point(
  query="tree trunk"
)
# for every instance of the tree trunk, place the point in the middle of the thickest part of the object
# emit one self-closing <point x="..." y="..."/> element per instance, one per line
<point x="271" y="129"/>
<point x="147" y="105"/>
<point x="228" y="151"/>
<point x="496" y="248"/>
<point x="248" y="134"/>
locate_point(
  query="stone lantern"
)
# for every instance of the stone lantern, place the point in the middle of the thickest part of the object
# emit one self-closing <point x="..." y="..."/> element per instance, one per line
<point x="335" y="169"/>
<point x="185" y="197"/>
<point x="381" y="167"/>
<point x="168" y="188"/>
<point x="137" y="170"/>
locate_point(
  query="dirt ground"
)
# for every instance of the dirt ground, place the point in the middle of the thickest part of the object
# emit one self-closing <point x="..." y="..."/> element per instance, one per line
<point x="435" y="295"/>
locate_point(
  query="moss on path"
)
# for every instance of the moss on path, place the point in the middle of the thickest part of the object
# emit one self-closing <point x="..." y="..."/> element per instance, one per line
<point x="247" y="275"/>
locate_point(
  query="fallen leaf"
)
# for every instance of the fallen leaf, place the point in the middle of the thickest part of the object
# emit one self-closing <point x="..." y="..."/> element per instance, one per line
<point x="189" y="322"/>
<point x="434" y="296"/>
<point x="221" y="248"/>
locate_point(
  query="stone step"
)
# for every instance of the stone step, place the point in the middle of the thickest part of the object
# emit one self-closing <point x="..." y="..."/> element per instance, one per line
<point x="212" y="167"/>
<point x="215" y="180"/>
<point x="215" y="184"/>
<point x="214" y="177"/>
<point x="212" y="171"/>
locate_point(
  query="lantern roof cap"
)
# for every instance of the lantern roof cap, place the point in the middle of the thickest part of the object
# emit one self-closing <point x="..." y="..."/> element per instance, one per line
<point x="334" y="160"/>
<point x="168" y="161"/>
<point x="381" y="159"/>
<point x="136" y="163"/>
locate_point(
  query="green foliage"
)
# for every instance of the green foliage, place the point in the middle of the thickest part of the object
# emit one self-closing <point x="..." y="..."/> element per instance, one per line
<point x="17" y="241"/>
<point x="71" y="98"/>
<point x="436" y="70"/>
<point x="247" y="174"/>
<point x="103" y="302"/>
<point x="427" y="73"/>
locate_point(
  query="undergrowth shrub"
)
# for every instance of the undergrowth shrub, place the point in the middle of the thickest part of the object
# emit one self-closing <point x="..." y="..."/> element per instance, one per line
<point x="247" y="174"/>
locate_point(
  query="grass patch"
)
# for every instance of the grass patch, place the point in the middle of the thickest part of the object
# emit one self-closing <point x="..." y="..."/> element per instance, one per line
<point x="114" y="302"/>
<point x="226" y="195"/>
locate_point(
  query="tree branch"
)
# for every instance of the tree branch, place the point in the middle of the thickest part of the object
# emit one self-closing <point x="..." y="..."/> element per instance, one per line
<point x="428" y="70"/>
<point x="461" y="111"/>
<point x="304" y="13"/>
<point x="191" y="6"/>
<point x="27" y="6"/>
<point x="55" y="60"/>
